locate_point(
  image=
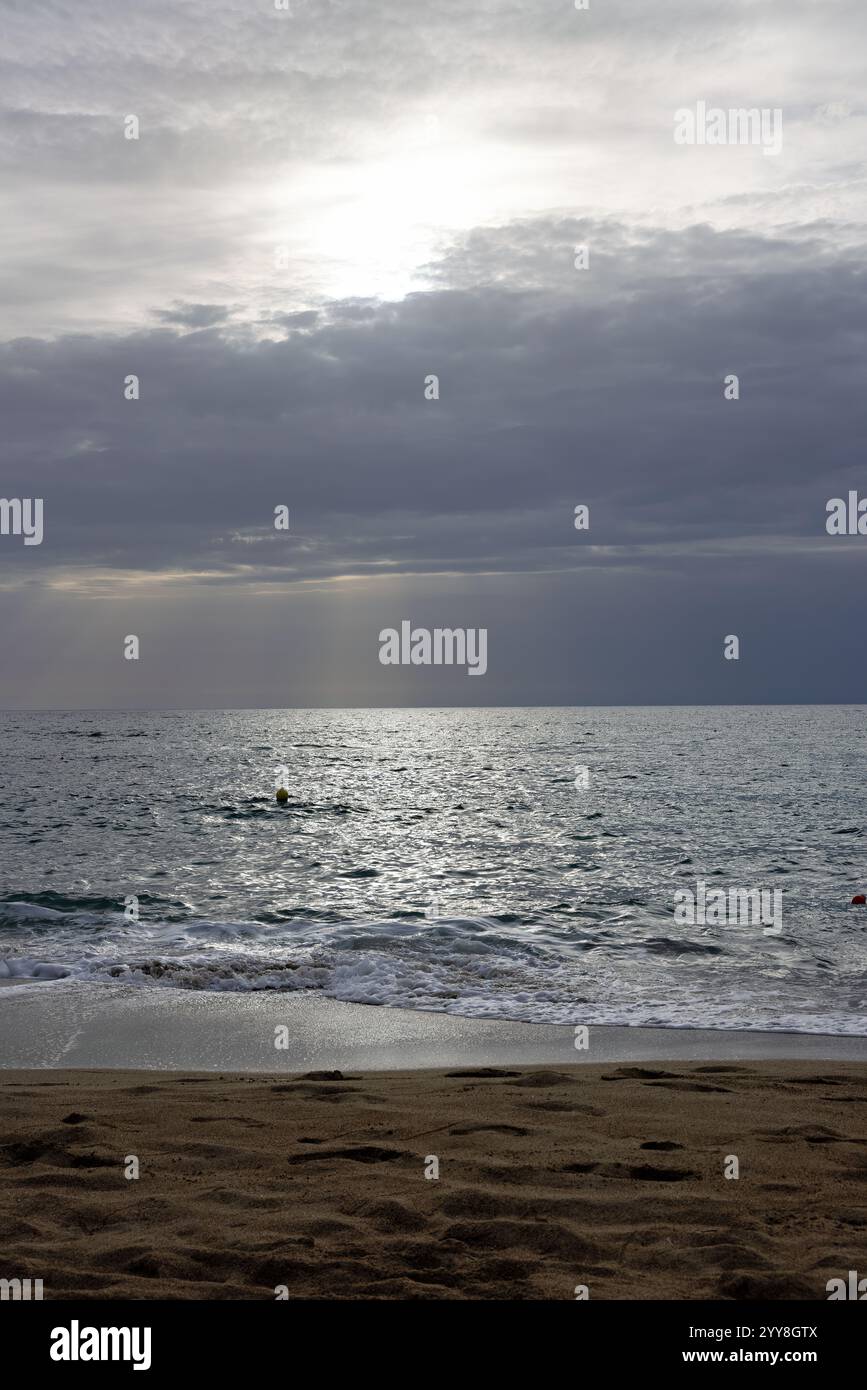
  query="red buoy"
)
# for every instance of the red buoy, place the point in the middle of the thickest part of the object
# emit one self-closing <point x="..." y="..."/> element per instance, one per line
<point x="859" y="898"/>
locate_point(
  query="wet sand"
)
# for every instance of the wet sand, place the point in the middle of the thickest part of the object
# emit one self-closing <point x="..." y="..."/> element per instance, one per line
<point x="79" y="1024"/>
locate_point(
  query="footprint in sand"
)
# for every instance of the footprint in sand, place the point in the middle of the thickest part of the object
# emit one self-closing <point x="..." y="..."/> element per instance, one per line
<point x="544" y="1078"/>
<point x="810" y="1134"/>
<point x="647" y="1173"/>
<point x="482" y="1073"/>
<point x="490" y="1129"/>
<point x="364" y="1153"/>
<point x="640" y="1074"/>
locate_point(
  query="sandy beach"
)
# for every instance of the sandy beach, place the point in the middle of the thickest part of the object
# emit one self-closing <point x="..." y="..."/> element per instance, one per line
<point x="606" y="1175"/>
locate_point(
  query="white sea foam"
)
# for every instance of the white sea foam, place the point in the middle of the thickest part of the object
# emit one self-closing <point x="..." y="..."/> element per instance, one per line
<point x="469" y="968"/>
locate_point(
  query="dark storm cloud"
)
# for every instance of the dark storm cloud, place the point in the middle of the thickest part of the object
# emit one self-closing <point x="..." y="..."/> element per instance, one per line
<point x="557" y="386"/>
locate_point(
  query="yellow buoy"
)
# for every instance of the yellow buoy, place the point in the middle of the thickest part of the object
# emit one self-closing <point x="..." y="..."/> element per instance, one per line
<point x="282" y="794"/>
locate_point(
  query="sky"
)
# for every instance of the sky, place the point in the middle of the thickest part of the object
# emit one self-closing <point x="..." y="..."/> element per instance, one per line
<point x="329" y="204"/>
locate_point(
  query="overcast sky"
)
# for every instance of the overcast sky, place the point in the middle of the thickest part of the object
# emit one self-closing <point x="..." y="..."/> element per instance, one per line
<point x="324" y="207"/>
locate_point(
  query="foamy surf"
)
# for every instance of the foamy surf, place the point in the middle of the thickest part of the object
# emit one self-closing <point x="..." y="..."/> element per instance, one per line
<point x="471" y="967"/>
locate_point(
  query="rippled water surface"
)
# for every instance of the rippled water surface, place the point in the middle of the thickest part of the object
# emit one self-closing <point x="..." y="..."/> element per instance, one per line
<point x="446" y="859"/>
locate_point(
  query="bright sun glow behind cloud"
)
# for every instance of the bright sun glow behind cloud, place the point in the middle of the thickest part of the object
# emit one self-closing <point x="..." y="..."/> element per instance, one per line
<point x="375" y="223"/>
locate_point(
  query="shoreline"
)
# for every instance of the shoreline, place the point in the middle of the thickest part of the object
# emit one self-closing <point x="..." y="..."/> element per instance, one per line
<point x="87" y="1026"/>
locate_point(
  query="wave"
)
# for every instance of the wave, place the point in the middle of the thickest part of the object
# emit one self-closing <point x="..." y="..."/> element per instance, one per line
<point x="621" y="965"/>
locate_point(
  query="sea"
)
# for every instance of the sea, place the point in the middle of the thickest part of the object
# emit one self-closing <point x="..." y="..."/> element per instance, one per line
<point x="499" y="863"/>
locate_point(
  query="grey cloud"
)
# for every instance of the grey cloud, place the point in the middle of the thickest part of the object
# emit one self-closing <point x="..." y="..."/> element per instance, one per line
<point x="304" y="318"/>
<point x="602" y="387"/>
<point x="194" y="315"/>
